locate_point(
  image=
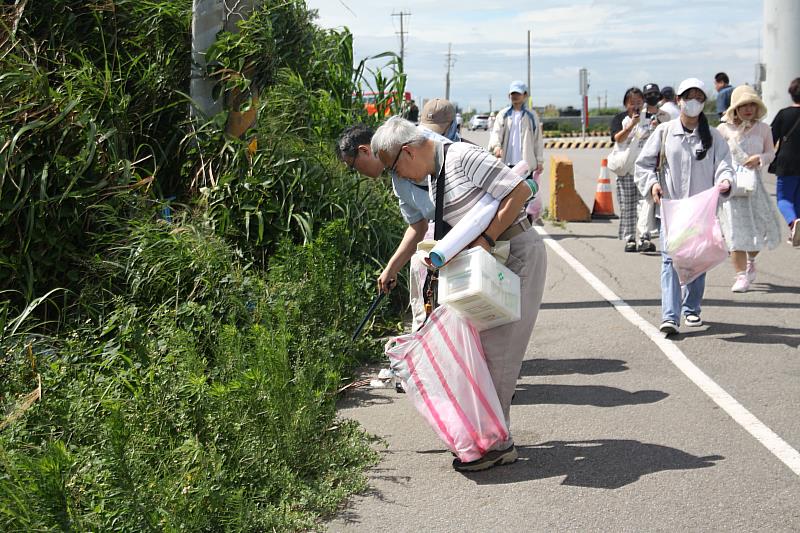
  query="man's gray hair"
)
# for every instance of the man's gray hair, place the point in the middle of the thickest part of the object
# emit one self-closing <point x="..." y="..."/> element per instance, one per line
<point x="393" y="134"/>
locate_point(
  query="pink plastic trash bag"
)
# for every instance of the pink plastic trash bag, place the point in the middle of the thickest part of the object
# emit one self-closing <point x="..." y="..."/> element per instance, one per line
<point x="444" y="372"/>
<point x="693" y="236"/>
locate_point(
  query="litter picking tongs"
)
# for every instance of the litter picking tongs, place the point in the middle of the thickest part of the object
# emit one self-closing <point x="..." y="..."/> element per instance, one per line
<point x="370" y="312"/>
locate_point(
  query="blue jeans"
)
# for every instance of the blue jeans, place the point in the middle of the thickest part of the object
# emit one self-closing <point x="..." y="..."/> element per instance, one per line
<point x="788" y="193"/>
<point x="674" y="302"/>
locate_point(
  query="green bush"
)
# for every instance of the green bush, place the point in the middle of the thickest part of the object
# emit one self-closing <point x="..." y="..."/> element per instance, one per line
<point x="212" y="411"/>
<point x="89" y="109"/>
<point x="189" y="377"/>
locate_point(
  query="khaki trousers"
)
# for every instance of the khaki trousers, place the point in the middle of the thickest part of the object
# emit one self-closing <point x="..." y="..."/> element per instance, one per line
<point x="505" y="346"/>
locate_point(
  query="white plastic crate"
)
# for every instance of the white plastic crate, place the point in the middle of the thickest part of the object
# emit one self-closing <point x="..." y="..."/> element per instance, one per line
<point x="476" y="285"/>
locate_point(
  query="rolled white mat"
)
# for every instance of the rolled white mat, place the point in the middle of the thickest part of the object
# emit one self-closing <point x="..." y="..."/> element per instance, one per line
<point x="471" y="225"/>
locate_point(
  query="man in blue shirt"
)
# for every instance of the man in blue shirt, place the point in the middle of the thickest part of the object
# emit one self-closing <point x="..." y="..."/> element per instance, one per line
<point x="724" y="89"/>
<point x="416" y="206"/>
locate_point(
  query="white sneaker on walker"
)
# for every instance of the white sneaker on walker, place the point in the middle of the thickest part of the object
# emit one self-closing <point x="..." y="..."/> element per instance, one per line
<point x="692" y="320"/>
<point x="742" y="283"/>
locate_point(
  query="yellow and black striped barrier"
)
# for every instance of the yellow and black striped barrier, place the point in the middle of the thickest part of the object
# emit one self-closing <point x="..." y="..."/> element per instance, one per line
<point x="557" y="134"/>
<point x="570" y="144"/>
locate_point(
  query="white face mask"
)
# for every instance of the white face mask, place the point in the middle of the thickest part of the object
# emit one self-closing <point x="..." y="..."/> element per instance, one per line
<point x="692" y="108"/>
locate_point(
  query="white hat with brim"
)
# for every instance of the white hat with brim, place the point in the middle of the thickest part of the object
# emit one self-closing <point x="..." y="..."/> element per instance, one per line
<point x="742" y="95"/>
<point x="692" y="83"/>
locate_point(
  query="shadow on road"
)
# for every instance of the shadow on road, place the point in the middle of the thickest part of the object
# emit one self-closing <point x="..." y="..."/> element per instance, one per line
<point x="601" y="464"/>
<point x="566" y="236"/>
<point x="366" y="397"/>
<point x="707" y="302"/>
<point x="563" y="367"/>
<point x="597" y="395"/>
<point x="750" y="334"/>
<point x="771" y="287"/>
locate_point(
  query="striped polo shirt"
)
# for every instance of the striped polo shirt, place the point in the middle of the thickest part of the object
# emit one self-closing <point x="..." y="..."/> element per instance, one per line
<point x="471" y="172"/>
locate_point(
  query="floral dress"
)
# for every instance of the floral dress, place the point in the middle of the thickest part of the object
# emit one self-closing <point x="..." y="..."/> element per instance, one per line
<point x="750" y="223"/>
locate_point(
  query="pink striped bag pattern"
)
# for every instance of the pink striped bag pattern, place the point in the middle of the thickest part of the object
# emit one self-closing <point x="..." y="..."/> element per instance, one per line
<point x="444" y="372"/>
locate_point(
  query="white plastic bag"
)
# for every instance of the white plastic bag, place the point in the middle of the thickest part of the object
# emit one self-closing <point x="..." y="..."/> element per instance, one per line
<point x="693" y="235"/>
<point x="444" y="371"/>
<point x="745" y="181"/>
<point x="619" y="158"/>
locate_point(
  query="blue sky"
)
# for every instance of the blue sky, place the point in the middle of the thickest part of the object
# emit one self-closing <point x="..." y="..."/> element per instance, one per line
<point x="620" y="43"/>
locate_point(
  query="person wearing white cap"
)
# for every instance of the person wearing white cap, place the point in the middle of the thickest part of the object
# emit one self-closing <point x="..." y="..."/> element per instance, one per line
<point x="517" y="136"/>
<point x="750" y="220"/>
<point x="692" y="158"/>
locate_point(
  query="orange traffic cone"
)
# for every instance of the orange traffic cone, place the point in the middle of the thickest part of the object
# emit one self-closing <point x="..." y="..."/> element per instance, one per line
<point x="603" y="201"/>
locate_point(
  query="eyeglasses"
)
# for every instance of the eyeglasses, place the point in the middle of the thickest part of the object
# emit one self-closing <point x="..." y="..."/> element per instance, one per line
<point x="352" y="163"/>
<point x="393" y="168"/>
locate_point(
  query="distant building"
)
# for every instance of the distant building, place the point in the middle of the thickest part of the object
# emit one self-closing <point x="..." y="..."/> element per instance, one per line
<point x="569" y="111"/>
<point x="550" y="111"/>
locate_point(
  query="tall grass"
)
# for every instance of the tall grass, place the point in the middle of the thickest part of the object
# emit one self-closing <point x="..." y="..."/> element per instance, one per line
<point x="90" y="109"/>
<point x="184" y="373"/>
<point x="212" y="411"/>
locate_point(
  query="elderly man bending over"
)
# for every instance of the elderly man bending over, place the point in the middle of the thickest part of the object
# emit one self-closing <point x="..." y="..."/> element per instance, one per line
<point x="469" y="173"/>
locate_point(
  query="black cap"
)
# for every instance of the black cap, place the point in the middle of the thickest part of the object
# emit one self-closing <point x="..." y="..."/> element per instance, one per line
<point x="650" y="88"/>
<point x="668" y="93"/>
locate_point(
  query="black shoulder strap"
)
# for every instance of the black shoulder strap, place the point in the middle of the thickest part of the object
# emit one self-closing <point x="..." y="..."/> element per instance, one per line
<point x="794" y="127"/>
<point x="785" y="138"/>
<point x="441" y="227"/>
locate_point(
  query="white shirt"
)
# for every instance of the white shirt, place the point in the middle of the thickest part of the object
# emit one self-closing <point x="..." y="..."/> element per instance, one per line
<point x="514" y="154"/>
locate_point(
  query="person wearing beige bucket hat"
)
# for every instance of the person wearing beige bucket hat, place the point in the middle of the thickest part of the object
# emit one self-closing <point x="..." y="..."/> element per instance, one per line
<point x="750" y="221"/>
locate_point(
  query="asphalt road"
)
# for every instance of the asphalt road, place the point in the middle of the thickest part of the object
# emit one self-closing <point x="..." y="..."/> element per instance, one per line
<point x="612" y="434"/>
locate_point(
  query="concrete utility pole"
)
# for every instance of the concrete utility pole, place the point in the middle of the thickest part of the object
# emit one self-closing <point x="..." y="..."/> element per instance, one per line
<point x="781" y="36"/>
<point x="583" y="80"/>
<point x="402" y="33"/>
<point x="490" y="103"/>
<point x="530" y="92"/>
<point x="450" y="62"/>
<point x="207" y="21"/>
<point x="209" y="17"/>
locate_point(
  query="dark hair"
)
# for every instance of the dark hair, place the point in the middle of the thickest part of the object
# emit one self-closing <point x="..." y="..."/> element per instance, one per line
<point x="705" y="136"/>
<point x="351" y="139"/>
<point x="794" y="90"/>
<point x="721" y="77"/>
<point x="633" y="91"/>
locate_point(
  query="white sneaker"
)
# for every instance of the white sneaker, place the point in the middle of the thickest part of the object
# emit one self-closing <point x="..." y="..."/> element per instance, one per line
<point x="668" y="327"/>
<point x="692" y="320"/>
<point x="741" y="284"/>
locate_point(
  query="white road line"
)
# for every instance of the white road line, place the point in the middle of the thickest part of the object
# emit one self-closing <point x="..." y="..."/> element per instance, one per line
<point x="771" y="440"/>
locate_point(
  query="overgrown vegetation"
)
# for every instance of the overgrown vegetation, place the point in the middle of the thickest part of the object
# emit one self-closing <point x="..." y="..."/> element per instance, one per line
<point x="179" y="368"/>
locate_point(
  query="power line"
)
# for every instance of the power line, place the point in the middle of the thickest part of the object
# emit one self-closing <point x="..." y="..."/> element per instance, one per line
<point x="402" y="33"/>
